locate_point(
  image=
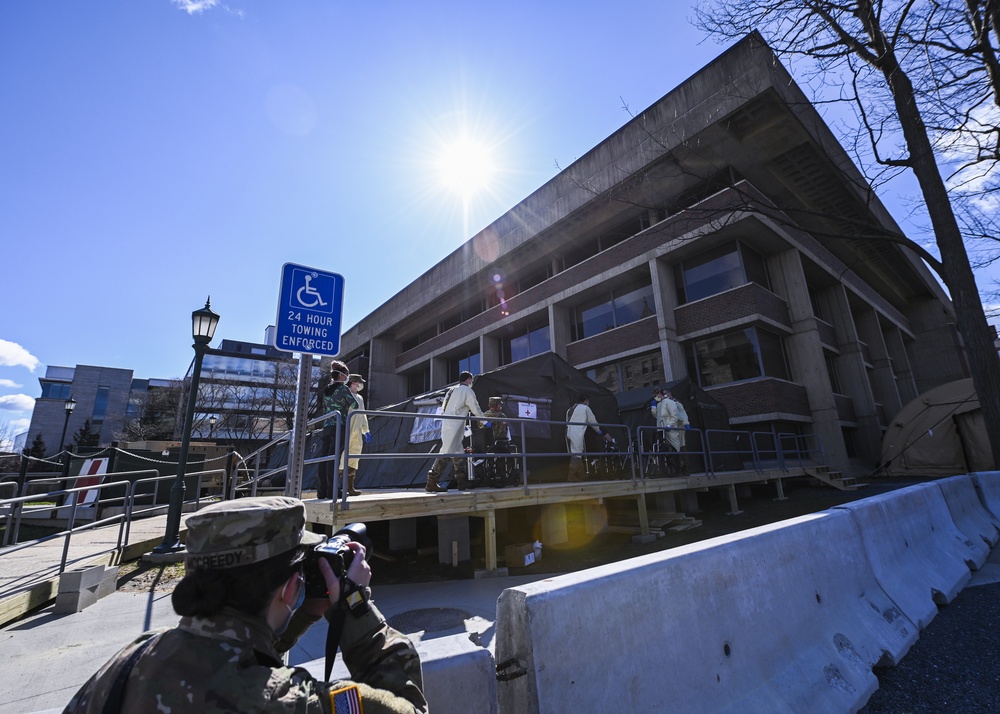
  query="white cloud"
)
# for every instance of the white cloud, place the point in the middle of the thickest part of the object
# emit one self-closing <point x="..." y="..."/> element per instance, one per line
<point x="9" y="383"/>
<point x="193" y="7"/>
<point x="18" y="426"/>
<point x="13" y="355"/>
<point x="17" y="402"/>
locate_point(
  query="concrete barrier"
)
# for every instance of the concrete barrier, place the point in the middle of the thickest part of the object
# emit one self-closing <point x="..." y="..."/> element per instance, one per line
<point x="969" y="513"/>
<point x="80" y="588"/>
<point x="782" y="618"/>
<point x="459" y="675"/>
<point x="988" y="485"/>
<point x="918" y="555"/>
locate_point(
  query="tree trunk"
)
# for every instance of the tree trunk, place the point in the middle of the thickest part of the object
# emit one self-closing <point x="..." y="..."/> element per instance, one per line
<point x="958" y="275"/>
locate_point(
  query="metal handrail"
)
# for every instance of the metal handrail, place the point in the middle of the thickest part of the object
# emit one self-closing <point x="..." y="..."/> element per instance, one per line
<point x="124" y="519"/>
<point x="520" y="421"/>
<point x="645" y="456"/>
<point x="752" y="451"/>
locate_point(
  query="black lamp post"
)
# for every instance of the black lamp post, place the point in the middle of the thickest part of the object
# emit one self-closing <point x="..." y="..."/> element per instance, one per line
<point x="69" y="406"/>
<point x="211" y="427"/>
<point x="203" y="324"/>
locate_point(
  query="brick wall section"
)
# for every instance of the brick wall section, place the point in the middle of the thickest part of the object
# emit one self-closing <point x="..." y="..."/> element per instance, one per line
<point x="762" y="396"/>
<point x="746" y="301"/>
<point x="637" y="334"/>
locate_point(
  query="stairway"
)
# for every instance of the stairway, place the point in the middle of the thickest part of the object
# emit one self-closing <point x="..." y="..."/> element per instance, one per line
<point x="834" y="478"/>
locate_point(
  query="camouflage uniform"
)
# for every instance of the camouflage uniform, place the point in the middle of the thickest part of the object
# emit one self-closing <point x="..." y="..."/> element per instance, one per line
<point x="493" y="414"/>
<point x="230" y="662"/>
<point x="340" y="399"/>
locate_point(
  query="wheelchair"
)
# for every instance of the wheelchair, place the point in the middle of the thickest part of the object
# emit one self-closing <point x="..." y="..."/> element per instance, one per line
<point x="503" y="469"/>
<point x="611" y="466"/>
<point x="664" y="462"/>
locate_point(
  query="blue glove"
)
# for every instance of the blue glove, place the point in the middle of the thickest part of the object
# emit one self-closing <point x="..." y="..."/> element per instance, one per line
<point x="654" y="404"/>
<point x="688" y="427"/>
<point x="368" y="436"/>
<point x="487" y="424"/>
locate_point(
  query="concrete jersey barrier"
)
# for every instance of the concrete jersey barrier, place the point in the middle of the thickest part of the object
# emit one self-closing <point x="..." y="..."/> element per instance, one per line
<point x="969" y="513"/>
<point x="918" y="555"/>
<point x="988" y="485"/>
<point x="782" y="618"/>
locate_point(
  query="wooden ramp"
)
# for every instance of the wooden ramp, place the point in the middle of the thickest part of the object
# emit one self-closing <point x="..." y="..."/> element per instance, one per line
<point x="386" y="505"/>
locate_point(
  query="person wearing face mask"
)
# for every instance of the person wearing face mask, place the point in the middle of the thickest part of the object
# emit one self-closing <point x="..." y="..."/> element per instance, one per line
<point x="244" y="586"/>
<point x="360" y="433"/>
<point x="672" y="418"/>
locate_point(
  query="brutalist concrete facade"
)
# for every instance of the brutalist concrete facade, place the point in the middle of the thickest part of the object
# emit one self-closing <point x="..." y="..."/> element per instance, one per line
<point x="845" y="324"/>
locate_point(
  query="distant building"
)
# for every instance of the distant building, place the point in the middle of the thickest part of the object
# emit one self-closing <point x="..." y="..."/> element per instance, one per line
<point x="723" y="234"/>
<point x="249" y="388"/>
<point x="246" y="395"/>
<point x="102" y="395"/>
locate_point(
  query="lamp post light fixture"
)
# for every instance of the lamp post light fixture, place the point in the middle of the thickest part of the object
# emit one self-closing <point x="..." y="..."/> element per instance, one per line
<point x="203" y="324"/>
<point x="211" y="426"/>
<point x="69" y="406"/>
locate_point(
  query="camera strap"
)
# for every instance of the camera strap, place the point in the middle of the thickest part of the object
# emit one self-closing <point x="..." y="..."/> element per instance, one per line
<point x="353" y="599"/>
<point x="333" y="633"/>
<point x="113" y="703"/>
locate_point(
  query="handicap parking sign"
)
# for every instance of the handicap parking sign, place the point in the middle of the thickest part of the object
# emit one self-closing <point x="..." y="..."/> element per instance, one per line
<point x="310" y="309"/>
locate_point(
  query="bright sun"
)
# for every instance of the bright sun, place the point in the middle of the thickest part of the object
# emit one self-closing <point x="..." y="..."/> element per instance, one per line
<point x="465" y="166"/>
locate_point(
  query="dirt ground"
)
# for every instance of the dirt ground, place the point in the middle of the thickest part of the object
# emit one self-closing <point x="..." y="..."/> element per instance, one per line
<point x="802" y="497"/>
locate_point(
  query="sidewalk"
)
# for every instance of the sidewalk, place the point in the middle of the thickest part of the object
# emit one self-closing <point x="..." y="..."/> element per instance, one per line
<point x="30" y="577"/>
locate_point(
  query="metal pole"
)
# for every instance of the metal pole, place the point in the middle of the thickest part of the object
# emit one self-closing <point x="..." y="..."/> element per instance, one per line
<point x="62" y="439"/>
<point x="171" y="539"/>
<point x="300" y="429"/>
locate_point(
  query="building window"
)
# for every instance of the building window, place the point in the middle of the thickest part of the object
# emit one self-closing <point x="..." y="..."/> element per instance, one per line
<point x="532" y="279"/>
<point x="468" y="362"/>
<point x="643" y="370"/>
<point x="56" y="390"/>
<point x="608" y="312"/>
<point x="720" y="269"/>
<point x="418" y="382"/>
<point x="101" y="404"/>
<point x="528" y="342"/>
<point x="831" y="369"/>
<point x="735" y="356"/>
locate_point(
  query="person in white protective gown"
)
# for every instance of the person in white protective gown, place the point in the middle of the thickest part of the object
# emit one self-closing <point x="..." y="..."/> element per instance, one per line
<point x="584" y="419"/>
<point x="459" y="401"/>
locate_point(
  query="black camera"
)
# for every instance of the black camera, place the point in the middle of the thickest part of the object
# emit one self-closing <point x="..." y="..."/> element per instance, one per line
<point x="335" y="552"/>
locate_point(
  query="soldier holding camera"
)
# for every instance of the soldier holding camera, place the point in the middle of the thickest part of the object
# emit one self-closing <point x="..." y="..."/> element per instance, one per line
<point x="244" y="601"/>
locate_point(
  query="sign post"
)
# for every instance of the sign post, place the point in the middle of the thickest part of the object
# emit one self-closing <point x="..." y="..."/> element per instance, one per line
<point x="310" y="309"/>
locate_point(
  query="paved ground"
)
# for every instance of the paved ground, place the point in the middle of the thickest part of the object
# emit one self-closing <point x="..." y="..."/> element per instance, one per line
<point x="955" y="665"/>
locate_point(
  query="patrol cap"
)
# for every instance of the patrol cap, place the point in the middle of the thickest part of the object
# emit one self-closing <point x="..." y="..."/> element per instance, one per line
<point x="356" y="378"/>
<point x="245" y="531"/>
<point x="496" y="400"/>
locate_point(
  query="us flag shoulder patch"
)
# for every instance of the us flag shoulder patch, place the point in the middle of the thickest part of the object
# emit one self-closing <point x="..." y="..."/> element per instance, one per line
<point x="346" y="700"/>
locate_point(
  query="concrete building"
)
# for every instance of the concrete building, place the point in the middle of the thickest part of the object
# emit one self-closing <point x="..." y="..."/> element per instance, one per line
<point x="102" y="396"/>
<point x="249" y="388"/>
<point x="723" y="234"/>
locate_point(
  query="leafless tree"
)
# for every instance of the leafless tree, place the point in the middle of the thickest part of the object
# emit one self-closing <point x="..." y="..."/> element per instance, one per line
<point x="876" y="50"/>
<point x="154" y="414"/>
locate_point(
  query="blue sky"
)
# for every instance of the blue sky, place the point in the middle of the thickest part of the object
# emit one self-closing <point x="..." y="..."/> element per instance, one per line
<point x="155" y="152"/>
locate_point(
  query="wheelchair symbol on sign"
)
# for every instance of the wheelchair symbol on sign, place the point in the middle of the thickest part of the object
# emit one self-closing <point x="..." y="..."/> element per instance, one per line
<point x="314" y="298"/>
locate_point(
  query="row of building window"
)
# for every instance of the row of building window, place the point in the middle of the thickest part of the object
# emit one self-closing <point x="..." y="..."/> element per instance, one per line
<point x="720" y="359"/>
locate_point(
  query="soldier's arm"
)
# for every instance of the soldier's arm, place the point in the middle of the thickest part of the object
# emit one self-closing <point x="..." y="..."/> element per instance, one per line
<point x="385" y="660"/>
